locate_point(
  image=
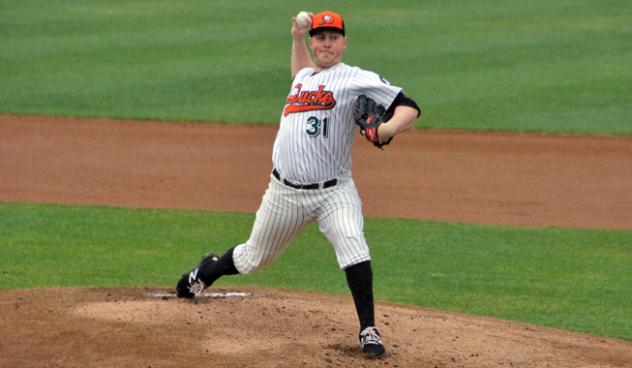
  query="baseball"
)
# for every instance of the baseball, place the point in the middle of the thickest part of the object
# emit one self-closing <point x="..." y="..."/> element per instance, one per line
<point x="303" y="19"/>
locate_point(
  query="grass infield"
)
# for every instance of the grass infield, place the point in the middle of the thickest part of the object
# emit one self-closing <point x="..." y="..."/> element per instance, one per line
<point x="571" y="279"/>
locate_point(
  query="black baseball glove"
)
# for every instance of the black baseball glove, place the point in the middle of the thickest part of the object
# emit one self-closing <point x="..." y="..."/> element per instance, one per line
<point x="369" y="116"/>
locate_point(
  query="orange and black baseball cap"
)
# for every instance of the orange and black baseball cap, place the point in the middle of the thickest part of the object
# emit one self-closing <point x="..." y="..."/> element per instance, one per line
<point x="327" y="21"/>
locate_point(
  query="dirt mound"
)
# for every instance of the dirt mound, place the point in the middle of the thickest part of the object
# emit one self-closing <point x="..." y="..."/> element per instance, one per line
<point x="269" y="328"/>
<point x="515" y="179"/>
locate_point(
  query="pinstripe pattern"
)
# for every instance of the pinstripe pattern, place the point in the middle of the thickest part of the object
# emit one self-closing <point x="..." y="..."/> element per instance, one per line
<point x="313" y="145"/>
<point x="284" y="212"/>
<point x="302" y="158"/>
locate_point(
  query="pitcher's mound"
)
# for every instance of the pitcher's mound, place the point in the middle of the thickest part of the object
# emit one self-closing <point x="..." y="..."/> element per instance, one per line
<point x="254" y="327"/>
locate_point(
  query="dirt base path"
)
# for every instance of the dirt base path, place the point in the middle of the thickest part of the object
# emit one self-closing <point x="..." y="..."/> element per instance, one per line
<point x="514" y="179"/>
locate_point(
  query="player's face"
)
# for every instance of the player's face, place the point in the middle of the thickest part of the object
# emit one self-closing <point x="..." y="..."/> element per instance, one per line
<point x="327" y="48"/>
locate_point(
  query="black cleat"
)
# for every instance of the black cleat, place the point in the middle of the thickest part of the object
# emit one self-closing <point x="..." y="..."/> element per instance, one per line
<point x="371" y="343"/>
<point x="190" y="283"/>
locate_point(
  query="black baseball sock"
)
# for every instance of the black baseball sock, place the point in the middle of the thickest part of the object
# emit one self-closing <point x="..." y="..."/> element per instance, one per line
<point x="224" y="266"/>
<point x="360" y="281"/>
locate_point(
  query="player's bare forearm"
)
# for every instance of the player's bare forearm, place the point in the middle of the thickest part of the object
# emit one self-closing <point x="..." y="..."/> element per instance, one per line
<point x="300" y="56"/>
<point x="403" y="119"/>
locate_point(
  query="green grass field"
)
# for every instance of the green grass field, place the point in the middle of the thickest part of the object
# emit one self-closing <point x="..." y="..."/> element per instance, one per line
<point x="572" y="279"/>
<point x="546" y="66"/>
<point x="541" y="65"/>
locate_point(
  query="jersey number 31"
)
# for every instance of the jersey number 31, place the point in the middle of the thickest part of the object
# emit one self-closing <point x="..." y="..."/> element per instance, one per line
<point x="315" y="126"/>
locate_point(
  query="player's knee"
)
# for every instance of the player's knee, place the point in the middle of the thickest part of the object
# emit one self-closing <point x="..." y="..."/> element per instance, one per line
<point x="350" y="256"/>
<point x="248" y="260"/>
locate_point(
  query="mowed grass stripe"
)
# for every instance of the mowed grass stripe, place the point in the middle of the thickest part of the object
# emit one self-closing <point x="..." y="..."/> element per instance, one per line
<point x="551" y="66"/>
<point x="566" y="278"/>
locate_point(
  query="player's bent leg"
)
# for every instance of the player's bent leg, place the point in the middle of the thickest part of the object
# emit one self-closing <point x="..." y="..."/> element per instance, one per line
<point x="360" y="281"/>
<point x="278" y="221"/>
<point x="343" y="225"/>
<point x="276" y="224"/>
<point x="262" y="248"/>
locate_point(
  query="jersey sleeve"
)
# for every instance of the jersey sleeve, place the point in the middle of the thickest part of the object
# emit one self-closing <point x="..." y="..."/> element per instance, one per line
<point x="374" y="86"/>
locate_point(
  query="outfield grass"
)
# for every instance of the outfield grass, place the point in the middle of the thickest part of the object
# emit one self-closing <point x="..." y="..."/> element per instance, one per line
<point x="571" y="279"/>
<point x="540" y="65"/>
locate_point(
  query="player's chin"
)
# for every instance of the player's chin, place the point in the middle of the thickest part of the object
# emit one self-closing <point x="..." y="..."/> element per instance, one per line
<point x="326" y="62"/>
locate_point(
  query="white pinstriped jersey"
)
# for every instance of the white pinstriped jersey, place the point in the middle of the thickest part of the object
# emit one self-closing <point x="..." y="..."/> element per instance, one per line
<point x="313" y="146"/>
<point x="316" y="129"/>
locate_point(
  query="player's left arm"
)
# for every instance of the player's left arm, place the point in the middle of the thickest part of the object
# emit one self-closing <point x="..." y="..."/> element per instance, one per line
<point x="405" y="112"/>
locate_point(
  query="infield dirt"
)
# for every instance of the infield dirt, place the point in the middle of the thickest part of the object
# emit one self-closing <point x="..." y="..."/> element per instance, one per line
<point x="513" y="179"/>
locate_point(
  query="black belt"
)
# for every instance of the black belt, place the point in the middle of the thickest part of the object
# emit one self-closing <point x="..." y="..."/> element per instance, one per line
<point x="327" y="184"/>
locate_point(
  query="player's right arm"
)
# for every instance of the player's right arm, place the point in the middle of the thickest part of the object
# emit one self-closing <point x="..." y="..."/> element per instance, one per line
<point x="300" y="55"/>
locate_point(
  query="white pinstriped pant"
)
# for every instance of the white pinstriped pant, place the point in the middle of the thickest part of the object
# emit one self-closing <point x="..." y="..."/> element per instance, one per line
<point x="285" y="211"/>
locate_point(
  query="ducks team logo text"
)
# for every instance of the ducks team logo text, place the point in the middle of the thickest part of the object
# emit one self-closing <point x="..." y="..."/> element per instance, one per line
<point x="299" y="101"/>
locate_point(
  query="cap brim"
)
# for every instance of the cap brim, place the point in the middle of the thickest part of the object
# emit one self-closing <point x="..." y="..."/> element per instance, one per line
<point x="318" y="30"/>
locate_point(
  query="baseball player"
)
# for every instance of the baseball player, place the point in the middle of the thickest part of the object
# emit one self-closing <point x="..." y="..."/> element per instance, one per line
<point x="311" y="179"/>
